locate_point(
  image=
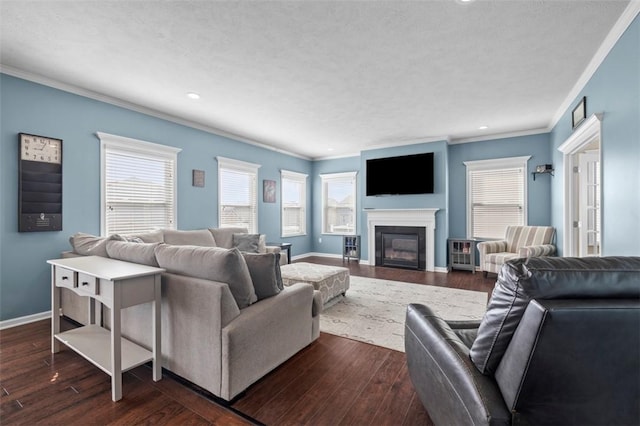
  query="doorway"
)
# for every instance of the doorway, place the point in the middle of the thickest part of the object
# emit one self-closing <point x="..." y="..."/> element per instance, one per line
<point x="583" y="190"/>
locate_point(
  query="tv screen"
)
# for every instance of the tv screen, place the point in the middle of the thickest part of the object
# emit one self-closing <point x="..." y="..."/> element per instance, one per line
<point x="407" y="174"/>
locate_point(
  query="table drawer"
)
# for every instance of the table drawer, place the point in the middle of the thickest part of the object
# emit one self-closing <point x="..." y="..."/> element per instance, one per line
<point x="88" y="283"/>
<point x="66" y="278"/>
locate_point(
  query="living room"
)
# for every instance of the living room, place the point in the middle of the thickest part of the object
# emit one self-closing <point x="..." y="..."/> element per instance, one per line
<point x="41" y="105"/>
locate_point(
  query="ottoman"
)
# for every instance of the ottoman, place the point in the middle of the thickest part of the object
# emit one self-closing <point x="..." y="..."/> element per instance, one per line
<point x="330" y="281"/>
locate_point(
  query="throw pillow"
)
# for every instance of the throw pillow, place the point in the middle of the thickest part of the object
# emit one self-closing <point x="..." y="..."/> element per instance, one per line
<point x="248" y="243"/>
<point x="264" y="269"/>
<point x="210" y="263"/>
<point x="143" y="253"/>
<point x="88" y="245"/>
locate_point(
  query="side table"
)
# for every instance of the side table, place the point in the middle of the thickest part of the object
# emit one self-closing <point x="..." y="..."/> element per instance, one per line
<point x="462" y="254"/>
<point x="117" y="285"/>
<point x="283" y="246"/>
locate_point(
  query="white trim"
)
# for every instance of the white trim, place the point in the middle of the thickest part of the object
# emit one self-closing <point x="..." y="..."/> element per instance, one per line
<point x="325" y="178"/>
<point x="137" y="146"/>
<point x="300" y="178"/>
<point x="293" y="175"/>
<point x="342" y="175"/>
<point x="14" y="322"/>
<point x="238" y="164"/>
<point x="141" y="148"/>
<point x="589" y="130"/>
<point x="609" y="42"/>
<point x="497" y="163"/>
<point x="494" y="164"/>
<point x="404" y="217"/>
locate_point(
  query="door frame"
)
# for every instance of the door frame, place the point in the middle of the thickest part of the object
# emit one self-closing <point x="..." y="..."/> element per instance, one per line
<point x="588" y="132"/>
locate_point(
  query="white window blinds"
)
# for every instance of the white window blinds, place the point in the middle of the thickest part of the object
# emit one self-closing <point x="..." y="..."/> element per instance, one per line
<point x="496" y="196"/>
<point x="294" y="198"/>
<point x="339" y="203"/>
<point x="138" y="185"/>
<point x="237" y="192"/>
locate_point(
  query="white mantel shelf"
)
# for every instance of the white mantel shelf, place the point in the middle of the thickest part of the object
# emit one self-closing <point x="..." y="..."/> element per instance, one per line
<point x="403" y="217"/>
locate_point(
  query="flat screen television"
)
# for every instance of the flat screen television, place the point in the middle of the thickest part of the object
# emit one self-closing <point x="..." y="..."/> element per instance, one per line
<point x="403" y="175"/>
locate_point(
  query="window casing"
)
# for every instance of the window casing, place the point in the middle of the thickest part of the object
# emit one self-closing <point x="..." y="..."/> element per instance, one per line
<point x="137" y="185"/>
<point x="339" y="203"/>
<point x="294" y="203"/>
<point x="237" y="194"/>
<point x="496" y="196"/>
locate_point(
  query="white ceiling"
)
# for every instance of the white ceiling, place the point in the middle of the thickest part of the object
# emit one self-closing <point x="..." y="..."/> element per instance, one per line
<point x="318" y="78"/>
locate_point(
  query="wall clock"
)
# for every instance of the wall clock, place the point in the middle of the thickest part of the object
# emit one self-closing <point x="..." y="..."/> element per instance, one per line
<point x="40" y="184"/>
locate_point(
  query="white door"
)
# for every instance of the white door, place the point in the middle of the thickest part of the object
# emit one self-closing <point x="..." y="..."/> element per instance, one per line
<point x="589" y="203"/>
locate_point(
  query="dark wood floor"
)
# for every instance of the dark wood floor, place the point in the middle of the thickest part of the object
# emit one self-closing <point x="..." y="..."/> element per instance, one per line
<point x="333" y="381"/>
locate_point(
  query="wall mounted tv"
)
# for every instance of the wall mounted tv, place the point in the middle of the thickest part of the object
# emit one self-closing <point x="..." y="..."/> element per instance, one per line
<point x="407" y="174"/>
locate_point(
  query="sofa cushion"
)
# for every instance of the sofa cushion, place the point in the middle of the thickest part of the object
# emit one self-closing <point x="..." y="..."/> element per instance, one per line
<point x="521" y="280"/>
<point x="264" y="269"/>
<point x="224" y="236"/>
<point x="197" y="237"/>
<point x="151" y="237"/>
<point x="210" y="263"/>
<point x="88" y="245"/>
<point x="143" y="253"/>
<point x="248" y="243"/>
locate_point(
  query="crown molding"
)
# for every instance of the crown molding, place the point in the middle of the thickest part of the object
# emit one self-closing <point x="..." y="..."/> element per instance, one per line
<point x="76" y="90"/>
<point x="495" y="136"/>
<point x="609" y="42"/>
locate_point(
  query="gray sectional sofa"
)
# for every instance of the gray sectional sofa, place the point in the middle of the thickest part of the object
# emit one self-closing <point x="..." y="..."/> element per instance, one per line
<point x="227" y="320"/>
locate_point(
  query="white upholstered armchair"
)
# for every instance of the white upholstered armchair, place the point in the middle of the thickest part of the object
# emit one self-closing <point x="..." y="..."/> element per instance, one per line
<point x="520" y="241"/>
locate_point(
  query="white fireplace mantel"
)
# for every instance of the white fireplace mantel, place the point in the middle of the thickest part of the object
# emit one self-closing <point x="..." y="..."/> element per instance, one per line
<point x="403" y="217"/>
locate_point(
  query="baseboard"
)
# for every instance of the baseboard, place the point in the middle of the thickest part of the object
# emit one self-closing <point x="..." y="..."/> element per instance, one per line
<point x="440" y="269"/>
<point x="14" y="322"/>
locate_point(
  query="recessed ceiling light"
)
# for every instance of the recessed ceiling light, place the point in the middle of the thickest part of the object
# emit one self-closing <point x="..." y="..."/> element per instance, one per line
<point x="329" y="149"/>
<point x="192" y="95"/>
<point x="483" y="127"/>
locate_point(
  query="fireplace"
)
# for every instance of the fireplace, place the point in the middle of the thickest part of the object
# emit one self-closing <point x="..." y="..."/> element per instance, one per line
<point x="400" y="246"/>
<point x="420" y="218"/>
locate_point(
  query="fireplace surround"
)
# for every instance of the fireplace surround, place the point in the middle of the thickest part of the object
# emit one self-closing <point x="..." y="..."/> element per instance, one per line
<point x="423" y="218"/>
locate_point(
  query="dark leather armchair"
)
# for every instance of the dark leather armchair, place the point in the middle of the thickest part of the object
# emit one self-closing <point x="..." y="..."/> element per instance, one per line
<point x="559" y="344"/>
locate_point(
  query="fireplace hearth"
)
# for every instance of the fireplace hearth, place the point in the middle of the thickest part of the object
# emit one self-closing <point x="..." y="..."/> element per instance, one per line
<point x="400" y="246"/>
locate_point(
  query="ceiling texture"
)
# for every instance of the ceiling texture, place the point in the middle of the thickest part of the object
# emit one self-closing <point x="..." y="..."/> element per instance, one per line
<point x="317" y="79"/>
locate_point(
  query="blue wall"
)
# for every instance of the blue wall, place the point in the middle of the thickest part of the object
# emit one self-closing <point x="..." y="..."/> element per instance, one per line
<point x="614" y="90"/>
<point x="538" y="201"/>
<point x="33" y="108"/>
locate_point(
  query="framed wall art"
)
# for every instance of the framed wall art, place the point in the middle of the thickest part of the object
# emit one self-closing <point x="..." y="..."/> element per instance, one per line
<point x="579" y="113"/>
<point x="269" y="191"/>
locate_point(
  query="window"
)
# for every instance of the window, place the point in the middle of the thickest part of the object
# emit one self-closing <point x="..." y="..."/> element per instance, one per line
<point x="237" y="194"/>
<point x="496" y="196"/>
<point x="138" y="185"/>
<point x="294" y="201"/>
<point x="339" y="203"/>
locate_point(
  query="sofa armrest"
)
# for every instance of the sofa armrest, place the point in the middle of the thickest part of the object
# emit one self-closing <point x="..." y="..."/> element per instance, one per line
<point x="275" y="328"/>
<point x="488" y="247"/>
<point x="450" y="387"/>
<point x="537" y="251"/>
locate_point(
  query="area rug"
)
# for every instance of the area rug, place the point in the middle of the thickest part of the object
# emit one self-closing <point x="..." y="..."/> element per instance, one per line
<point x="373" y="310"/>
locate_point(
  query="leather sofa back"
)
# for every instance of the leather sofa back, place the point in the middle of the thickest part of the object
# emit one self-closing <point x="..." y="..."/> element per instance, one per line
<point x="522" y="280"/>
<point x="574" y="361"/>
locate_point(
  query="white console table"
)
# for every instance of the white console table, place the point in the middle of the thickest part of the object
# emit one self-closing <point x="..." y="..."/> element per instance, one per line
<point x="116" y="285"/>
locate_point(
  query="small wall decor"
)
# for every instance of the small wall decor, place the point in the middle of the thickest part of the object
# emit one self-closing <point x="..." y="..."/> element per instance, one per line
<point x="39" y="183"/>
<point x="269" y="191"/>
<point x="579" y="113"/>
<point x="198" y="178"/>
